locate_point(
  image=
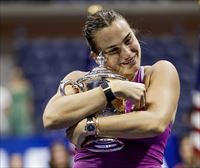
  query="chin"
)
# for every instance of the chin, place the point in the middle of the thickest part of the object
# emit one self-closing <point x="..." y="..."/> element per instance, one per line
<point x="130" y="72"/>
<point x="127" y="74"/>
<point x="133" y="69"/>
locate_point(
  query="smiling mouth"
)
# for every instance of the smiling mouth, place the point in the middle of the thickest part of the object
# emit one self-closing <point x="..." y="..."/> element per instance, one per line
<point x="131" y="61"/>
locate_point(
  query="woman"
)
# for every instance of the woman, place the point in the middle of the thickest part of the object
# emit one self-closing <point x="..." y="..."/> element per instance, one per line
<point x="144" y="131"/>
<point x="59" y="155"/>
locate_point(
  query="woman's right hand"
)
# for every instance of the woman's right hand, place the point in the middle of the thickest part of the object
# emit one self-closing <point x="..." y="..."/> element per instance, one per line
<point x="129" y="91"/>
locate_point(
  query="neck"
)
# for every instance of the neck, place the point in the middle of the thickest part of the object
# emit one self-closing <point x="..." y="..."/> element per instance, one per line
<point x="131" y="77"/>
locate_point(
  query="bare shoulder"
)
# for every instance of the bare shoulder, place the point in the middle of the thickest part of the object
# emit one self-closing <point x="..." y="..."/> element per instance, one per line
<point x="75" y="75"/>
<point x="161" y="67"/>
<point x="162" y="70"/>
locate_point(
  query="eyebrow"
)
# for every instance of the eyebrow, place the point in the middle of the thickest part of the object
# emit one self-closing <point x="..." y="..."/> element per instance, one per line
<point x="116" y="44"/>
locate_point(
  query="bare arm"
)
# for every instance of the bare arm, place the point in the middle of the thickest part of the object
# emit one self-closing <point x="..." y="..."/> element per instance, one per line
<point x="65" y="111"/>
<point x="161" y="98"/>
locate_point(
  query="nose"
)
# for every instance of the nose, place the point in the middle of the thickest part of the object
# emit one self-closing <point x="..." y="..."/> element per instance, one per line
<point x="125" y="52"/>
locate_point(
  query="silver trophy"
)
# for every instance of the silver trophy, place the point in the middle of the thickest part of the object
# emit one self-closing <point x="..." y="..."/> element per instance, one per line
<point x="92" y="80"/>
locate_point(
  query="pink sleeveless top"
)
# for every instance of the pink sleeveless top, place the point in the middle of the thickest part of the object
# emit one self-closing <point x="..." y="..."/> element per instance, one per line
<point x="137" y="153"/>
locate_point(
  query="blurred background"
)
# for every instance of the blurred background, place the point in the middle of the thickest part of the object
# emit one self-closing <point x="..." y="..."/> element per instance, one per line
<point x="41" y="41"/>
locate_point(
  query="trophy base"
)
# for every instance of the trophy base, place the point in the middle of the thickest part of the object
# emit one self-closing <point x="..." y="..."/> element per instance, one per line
<point x="104" y="145"/>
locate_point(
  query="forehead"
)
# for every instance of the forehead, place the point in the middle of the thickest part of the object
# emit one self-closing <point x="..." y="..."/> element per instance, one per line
<point x="113" y="34"/>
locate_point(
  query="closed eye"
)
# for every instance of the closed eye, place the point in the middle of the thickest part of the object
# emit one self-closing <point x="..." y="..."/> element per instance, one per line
<point x="113" y="51"/>
<point x="128" y="40"/>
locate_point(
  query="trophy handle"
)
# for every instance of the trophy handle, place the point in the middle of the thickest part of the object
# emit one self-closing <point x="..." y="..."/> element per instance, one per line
<point x="66" y="82"/>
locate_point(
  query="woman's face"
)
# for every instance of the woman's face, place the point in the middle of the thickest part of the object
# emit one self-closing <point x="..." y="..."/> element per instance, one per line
<point x="120" y="48"/>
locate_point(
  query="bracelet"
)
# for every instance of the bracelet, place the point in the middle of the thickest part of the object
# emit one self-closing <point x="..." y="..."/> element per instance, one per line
<point x="108" y="92"/>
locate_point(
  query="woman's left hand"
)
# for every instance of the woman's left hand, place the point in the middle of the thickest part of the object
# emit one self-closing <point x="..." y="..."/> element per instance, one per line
<point x="77" y="134"/>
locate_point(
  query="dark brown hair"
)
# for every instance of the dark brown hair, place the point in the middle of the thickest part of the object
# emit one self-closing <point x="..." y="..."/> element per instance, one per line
<point x="97" y="21"/>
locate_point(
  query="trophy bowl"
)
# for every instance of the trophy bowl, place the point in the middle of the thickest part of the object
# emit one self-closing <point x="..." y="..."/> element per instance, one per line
<point x="90" y="81"/>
